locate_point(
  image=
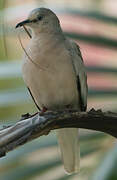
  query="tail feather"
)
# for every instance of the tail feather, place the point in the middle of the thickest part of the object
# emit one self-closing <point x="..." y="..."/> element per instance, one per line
<point x="70" y="149"/>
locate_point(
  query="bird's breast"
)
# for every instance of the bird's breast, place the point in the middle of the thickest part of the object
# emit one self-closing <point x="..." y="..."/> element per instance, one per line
<point x="51" y="77"/>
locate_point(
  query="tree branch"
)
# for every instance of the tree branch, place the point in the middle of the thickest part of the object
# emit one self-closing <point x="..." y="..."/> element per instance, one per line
<point x="31" y="127"/>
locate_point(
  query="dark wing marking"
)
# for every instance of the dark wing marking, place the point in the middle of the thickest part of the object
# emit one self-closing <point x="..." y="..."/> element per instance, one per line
<point x="33" y="99"/>
<point x="83" y="108"/>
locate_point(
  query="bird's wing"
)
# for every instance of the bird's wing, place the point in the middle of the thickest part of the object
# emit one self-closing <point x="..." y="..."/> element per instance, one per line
<point x="81" y="76"/>
<point x="33" y="99"/>
<point x="68" y="138"/>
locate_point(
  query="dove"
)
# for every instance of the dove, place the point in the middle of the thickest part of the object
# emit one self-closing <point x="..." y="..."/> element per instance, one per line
<point x="54" y="72"/>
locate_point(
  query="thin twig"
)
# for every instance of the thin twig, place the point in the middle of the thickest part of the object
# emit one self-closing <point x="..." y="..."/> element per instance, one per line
<point x="27" y="31"/>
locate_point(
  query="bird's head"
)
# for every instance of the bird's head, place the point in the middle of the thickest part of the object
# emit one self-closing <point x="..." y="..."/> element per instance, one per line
<point x="41" y="20"/>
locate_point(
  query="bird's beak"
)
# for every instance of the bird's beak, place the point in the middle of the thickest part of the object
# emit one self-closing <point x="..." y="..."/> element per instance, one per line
<point x="22" y="23"/>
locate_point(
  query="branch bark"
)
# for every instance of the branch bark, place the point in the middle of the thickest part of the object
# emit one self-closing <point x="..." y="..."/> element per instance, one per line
<point x="31" y="127"/>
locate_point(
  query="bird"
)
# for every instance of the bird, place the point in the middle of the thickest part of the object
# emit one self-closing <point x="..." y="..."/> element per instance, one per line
<point x="55" y="74"/>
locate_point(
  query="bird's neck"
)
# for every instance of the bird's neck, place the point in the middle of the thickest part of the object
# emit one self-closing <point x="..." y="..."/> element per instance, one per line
<point x="44" y="46"/>
<point x="45" y="39"/>
<point x="47" y="32"/>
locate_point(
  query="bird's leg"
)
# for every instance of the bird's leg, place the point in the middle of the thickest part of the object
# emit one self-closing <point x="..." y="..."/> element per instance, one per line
<point x="27" y="115"/>
<point x="68" y="108"/>
<point x="44" y="109"/>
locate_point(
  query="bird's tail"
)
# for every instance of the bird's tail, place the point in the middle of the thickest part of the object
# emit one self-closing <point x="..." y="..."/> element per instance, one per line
<point x="70" y="149"/>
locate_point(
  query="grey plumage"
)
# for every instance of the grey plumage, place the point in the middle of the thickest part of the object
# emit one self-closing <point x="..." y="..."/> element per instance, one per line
<point x="55" y="76"/>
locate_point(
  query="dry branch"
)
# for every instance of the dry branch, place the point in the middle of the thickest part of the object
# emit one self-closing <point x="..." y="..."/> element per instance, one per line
<point x="31" y="127"/>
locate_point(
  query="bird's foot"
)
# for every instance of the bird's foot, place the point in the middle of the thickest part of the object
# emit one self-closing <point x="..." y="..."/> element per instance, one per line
<point x="68" y="108"/>
<point x="41" y="113"/>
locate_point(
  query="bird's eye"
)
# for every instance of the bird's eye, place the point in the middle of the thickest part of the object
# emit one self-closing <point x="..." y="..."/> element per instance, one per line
<point x="40" y="18"/>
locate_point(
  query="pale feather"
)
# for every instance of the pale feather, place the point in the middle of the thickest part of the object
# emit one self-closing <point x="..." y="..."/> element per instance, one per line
<point x="52" y="80"/>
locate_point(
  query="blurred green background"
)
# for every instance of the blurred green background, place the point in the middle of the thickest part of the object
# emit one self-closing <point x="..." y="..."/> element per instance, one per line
<point x="93" y="24"/>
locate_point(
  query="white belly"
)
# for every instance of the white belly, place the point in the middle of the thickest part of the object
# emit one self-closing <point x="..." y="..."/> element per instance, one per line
<point x="53" y="87"/>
